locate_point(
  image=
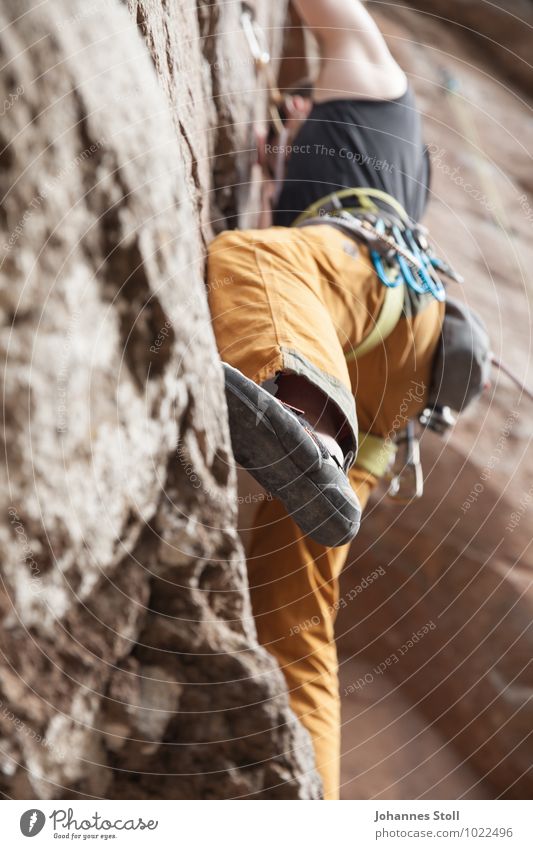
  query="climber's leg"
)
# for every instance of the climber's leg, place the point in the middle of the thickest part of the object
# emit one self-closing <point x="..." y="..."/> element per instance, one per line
<point x="283" y="302"/>
<point x="294" y="588"/>
<point x="291" y="301"/>
<point x="319" y="411"/>
<point x="355" y="60"/>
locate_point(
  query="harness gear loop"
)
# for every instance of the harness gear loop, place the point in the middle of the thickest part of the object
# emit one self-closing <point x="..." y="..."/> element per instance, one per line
<point x="331" y="203"/>
<point x="399" y="248"/>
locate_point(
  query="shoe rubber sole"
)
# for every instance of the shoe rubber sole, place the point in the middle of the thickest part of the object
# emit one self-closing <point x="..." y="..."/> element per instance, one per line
<point x="271" y="443"/>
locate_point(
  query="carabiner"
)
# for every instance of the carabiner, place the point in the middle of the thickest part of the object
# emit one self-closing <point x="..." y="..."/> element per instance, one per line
<point x="260" y="54"/>
<point x="430" y="284"/>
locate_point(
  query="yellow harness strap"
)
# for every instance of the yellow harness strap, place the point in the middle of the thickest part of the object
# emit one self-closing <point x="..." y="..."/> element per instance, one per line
<point x="365" y="197"/>
<point x="394" y="297"/>
<point x="387" y="320"/>
<point x="375" y="454"/>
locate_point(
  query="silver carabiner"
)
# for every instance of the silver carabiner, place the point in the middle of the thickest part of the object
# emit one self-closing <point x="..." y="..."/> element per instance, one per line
<point x="251" y="30"/>
<point x="407" y="477"/>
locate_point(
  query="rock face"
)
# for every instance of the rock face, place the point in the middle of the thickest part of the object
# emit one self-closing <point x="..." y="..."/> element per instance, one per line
<point x="130" y="665"/>
<point x="461" y="557"/>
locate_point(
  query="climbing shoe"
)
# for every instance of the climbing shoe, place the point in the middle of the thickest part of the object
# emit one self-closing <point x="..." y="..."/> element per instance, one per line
<point x="275" y="443"/>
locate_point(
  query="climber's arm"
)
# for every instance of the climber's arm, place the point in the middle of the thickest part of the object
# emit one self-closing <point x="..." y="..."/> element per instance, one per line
<point x="355" y="60"/>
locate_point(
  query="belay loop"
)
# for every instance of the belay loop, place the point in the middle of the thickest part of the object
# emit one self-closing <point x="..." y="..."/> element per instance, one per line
<point x="399" y="249"/>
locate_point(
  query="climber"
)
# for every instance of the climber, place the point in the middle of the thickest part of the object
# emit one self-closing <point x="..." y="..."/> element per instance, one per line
<point x="310" y="320"/>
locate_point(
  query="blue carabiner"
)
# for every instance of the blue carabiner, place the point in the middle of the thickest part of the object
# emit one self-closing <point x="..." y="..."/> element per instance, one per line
<point x="431" y="285"/>
<point x="404" y="265"/>
<point x="377" y="262"/>
<point x="422" y="281"/>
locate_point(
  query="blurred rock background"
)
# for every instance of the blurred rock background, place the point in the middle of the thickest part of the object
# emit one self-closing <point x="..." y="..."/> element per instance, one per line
<point x="453" y="717"/>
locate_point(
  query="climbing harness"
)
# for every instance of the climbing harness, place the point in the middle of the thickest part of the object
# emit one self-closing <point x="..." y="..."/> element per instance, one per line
<point x="402" y="257"/>
<point x="399" y="248"/>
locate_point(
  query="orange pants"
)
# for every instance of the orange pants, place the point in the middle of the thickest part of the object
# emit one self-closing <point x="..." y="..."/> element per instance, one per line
<point x="294" y="589"/>
<point x="296" y="300"/>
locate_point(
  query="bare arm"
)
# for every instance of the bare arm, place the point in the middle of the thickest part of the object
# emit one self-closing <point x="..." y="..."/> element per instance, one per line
<point x="355" y="60"/>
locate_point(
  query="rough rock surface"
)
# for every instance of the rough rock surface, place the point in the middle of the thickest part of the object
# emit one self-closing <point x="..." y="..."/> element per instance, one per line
<point x="130" y="665"/>
<point x="461" y="558"/>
